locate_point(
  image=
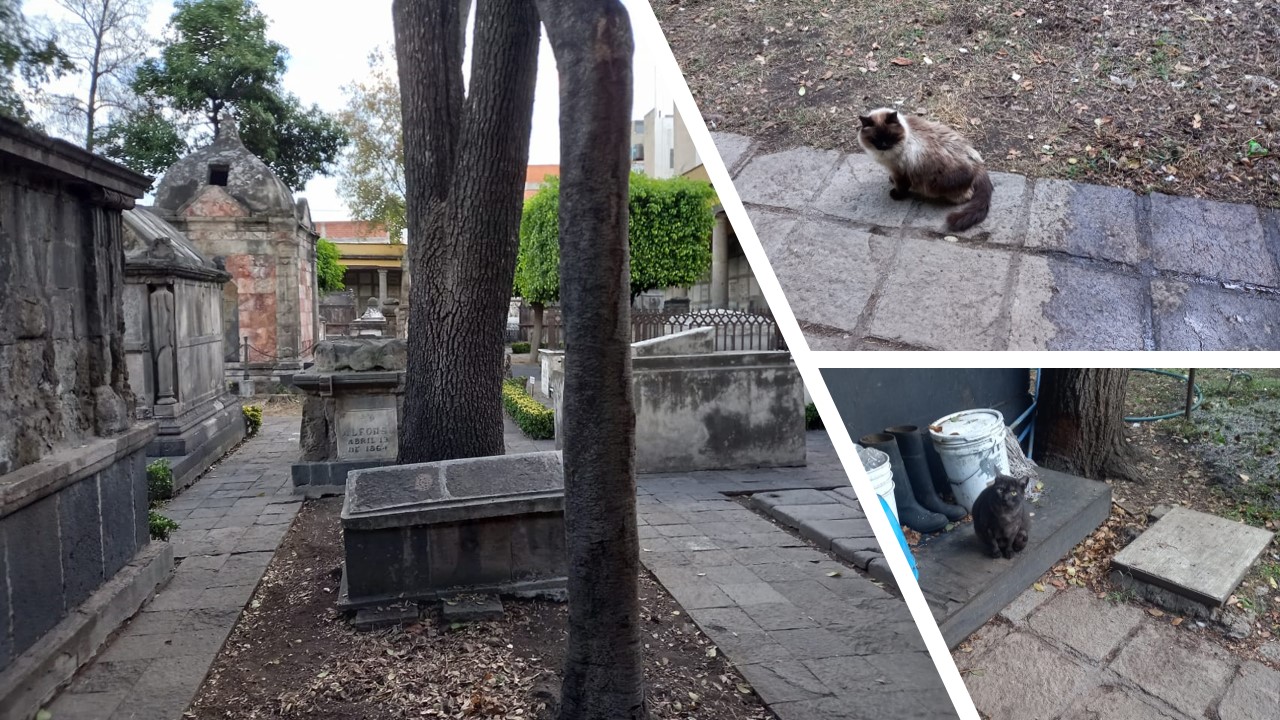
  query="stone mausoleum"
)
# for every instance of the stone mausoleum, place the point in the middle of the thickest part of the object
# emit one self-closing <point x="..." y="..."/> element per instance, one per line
<point x="236" y="211"/>
<point x="174" y="346"/>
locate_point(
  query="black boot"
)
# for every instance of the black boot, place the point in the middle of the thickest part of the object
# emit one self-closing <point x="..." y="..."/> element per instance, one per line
<point x="939" y="472"/>
<point x="910" y="512"/>
<point x="911" y="448"/>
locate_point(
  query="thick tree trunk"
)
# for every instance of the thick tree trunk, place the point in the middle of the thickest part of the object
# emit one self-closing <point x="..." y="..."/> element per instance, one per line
<point x="603" y="670"/>
<point x="535" y="335"/>
<point x="1080" y="423"/>
<point x="464" y="174"/>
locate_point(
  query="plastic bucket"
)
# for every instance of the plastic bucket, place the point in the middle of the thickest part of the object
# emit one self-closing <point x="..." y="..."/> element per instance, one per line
<point x="971" y="446"/>
<point x="880" y="473"/>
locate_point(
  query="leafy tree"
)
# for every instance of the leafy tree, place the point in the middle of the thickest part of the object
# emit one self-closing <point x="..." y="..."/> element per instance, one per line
<point x="107" y="41"/>
<point x="671" y="222"/>
<point x="217" y="58"/>
<point x="603" y="666"/>
<point x="329" y="271"/>
<point x="371" y="174"/>
<point x="26" y="57"/>
<point x="538" y="262"/>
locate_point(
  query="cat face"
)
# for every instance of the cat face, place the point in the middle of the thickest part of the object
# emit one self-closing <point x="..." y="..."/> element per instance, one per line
<point x="882" y="130"/>
<point x="1009" y="490"/>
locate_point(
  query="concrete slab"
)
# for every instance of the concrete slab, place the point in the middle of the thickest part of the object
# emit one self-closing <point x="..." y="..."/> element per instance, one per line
<point x="1218" y="241"/>
<point x="732" y="147"/>
<point x="772" y="229"/>
<point x="1087" y="221"/>
<point x="1163" y="663"/>
<point x="966" y="588"/>
<point x="943" y="295"/>
<point x="1046" y="681"/>
<point x="853" y="260"/>
<point x="859" y="191"/>
<point x="791" y="178"/>
<point x="1004" y="223"/>
<point x="1253" y="695"/>
<point x="1194" y="555"/>
<point x="1077" y="620"/>
<point x="1198" y="317"/>
<point x="1114" y="702"/>
<point x="1062" y="304"/>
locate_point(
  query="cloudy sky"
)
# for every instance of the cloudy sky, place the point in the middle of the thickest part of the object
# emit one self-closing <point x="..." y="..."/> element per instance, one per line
<point x="329" y="46"/>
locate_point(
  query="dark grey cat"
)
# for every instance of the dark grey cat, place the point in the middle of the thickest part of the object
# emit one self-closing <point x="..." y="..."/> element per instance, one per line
<point x="1001" y="518"/>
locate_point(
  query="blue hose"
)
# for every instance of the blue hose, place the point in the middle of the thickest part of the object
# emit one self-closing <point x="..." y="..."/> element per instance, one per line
<point x="1168" y="416"/>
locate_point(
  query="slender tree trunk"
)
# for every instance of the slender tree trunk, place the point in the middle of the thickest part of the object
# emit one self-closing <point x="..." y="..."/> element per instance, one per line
<point x="1080" y="423"/>
<point x="91" y="107"/>
<point x="603" y="671"/>
<point x="535" y="336"/>
<point x="464" y="172"/>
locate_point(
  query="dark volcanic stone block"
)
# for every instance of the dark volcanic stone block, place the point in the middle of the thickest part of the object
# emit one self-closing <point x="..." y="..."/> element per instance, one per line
<point x="491" y="524"/>
<point x="119" y="510"/>
<point x="6" y="617"/>
<point x="35" y="574"/>
<point x="81" y="540"/>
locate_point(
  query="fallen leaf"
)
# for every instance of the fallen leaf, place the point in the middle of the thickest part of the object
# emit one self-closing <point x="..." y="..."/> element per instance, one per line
<point x="901" y="61"/>
<point x="1195" y="121"/>
<point x="1176" y="621"/>
<point x="1155" y="612"/>
<point x="834" y="573"/>
<point x="1038" y="587"/>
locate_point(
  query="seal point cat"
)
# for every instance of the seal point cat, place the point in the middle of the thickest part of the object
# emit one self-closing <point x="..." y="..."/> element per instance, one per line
<point x="931" y="160"/>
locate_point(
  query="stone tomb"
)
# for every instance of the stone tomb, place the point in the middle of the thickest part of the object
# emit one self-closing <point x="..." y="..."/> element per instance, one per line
<point x="351" y="417"/>
<point x="173" y="346"/>
<point x="1188" y="561"/>
<point x="432" y="530"/>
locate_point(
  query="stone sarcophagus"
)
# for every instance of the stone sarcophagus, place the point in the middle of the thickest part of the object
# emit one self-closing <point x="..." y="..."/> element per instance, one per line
<point x="432" y="530"/>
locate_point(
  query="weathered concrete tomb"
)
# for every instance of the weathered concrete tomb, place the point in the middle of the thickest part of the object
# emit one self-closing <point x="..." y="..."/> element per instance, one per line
<point x="232" y="207"/>
<point x="75" y="556"/>
<point x="352" y="413"/>
<point x="173" y="345"/>
<point x="428" y="531"/>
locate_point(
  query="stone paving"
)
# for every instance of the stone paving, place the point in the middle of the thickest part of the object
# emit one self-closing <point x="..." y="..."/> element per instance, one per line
<point x="815" y="639"/>
<point x="1067" y="655"/>
<point x="1056" y="266"/>
<point x="232" y="520"/>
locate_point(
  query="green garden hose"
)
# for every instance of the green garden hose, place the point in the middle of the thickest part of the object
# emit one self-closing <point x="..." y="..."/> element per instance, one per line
<point x="1177" y="413"/>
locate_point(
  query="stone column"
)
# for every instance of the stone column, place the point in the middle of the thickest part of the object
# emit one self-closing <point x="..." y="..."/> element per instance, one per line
<point x="720" y="262"/>
<point x="382" y="287"/>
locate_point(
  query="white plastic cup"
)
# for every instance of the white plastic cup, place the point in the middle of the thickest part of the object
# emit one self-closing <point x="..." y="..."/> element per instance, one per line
<point x="971" y="445"/>
<point x="880" y="473"/>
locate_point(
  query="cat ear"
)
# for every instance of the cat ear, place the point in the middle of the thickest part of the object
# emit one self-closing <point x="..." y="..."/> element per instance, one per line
<point x="891" y="117"/>
<point x="866" y="120"/>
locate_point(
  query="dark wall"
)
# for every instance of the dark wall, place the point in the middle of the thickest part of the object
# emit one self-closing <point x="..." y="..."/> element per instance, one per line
<point x="872" y="399"/>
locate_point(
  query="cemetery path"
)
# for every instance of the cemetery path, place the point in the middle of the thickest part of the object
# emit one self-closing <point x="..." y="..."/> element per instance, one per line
<point x="816" y="640"/>
<point x="231" y="522"/>
<point x="1057" y="265"/>
<point x="1066" y="654"/>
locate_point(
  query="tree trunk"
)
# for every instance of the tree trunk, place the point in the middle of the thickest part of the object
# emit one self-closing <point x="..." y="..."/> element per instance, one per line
<point x="464" y="173"/>
<point x="603" y="670"/>
<point x="1080" y="423"/>
<point x="535" y="336"/>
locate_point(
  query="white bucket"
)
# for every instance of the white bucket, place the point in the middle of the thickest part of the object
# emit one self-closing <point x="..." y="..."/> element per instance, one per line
<point x="880" y="473"/>
<point x="971" y="445"/>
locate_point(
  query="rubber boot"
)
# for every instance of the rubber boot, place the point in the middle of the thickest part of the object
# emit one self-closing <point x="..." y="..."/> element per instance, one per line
<point x="911" y="449"/>
<point x="910" y="512"/>
<point x="939" y="471"/>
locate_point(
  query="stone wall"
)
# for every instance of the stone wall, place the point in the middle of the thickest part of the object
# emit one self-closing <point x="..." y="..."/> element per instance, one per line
<point x="73" y="489"/>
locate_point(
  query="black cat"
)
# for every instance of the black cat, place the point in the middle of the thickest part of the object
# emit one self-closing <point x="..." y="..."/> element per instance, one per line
<point x="1001" y="518"/>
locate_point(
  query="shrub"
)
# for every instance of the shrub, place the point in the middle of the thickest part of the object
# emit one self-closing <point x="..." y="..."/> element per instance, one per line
<point x="159" y="480"/>
<point x="329" y="271"/>
<point x="253" y="419"/>
<point x="533" y="418"/>
<point x="812" y="420"/>
<point x="160" y="525"/>
<point x="520" y="348"/>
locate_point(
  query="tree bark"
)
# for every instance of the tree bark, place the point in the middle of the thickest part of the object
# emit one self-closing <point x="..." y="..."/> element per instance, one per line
<point x="535" y="336"/>
<point x="1080" y="423"/>
<point x="603" y="670"/>
<point x="464" y="174"/>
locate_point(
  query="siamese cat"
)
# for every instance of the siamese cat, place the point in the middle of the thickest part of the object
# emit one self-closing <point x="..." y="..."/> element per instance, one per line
<point x="931" y="160"/>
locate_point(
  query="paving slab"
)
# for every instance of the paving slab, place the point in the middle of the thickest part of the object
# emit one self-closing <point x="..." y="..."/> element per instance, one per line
<point x="1254" y="694"/>
<point x="1023" y="678"/>
<point x="1086" y="221"/>
<point x="1075" y="619"/>
<point x="773" y="230"/>
<point x="1220" y="241"/>
<point x="1194" y="555"/>
<point x="1061" y="304"/>
<point x="943" y="295"/>
<point x="792" y="178"/>
<point x="859" y="191"/>
<point x="1004" y="224"/>
<point x="1198" y="317"/>
<point x="1115" y="702"/>
<point x="732" y="148"/>
<point x="1190" y="677"/>
<point x="853" y="261"/>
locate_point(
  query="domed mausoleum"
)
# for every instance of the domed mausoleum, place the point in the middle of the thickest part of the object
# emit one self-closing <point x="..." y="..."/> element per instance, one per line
<point x="235" y="210"/>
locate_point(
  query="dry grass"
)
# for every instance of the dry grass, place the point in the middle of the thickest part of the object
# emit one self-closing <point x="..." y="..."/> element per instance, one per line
<point x="1181" y="98"/>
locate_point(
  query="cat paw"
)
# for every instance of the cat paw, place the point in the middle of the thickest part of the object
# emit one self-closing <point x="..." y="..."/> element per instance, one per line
<point x="897" y="194"/>
<point x="1008" y="554"/>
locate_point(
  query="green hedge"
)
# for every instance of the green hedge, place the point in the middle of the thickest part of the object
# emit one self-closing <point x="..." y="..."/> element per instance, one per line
<point x="533" y="418"/>
<point x="812" y="420"/>
<point x="520" y="348"/>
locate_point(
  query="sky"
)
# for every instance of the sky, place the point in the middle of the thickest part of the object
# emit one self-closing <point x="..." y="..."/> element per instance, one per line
<point x="329" y="46"/>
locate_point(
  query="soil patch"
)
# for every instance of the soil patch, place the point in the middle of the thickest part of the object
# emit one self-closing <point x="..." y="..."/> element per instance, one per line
<point x="292" y="654"/>
<point x="1166" y="96"/>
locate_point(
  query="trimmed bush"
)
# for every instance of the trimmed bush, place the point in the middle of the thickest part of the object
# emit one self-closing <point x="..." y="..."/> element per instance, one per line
<point x="160" y="526"/>
<point x="520" y="348"/>
<point x="812" y="420"/>
<point x="253" y="419"/>
<point x="532" y="417"/>
<point x="159" y="480"/>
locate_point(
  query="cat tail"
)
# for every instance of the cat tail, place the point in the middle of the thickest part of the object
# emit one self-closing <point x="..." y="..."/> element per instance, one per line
<point x="975" y="211"/>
